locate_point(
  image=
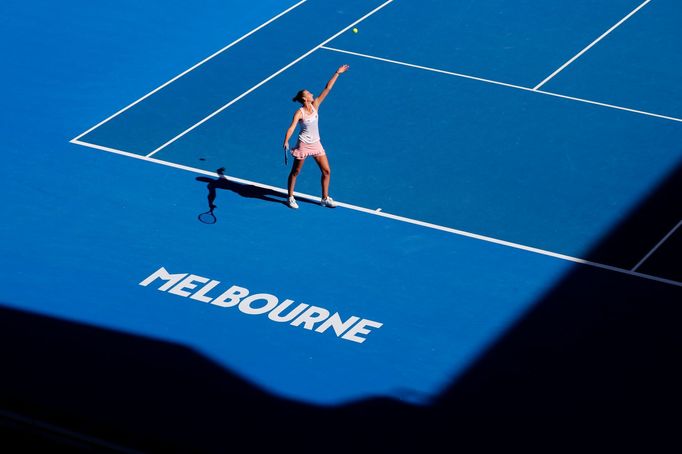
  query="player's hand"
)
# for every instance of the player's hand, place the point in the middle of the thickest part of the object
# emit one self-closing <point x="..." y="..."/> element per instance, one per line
<point x="342" y="69"/>
<point x="286" y="146"/>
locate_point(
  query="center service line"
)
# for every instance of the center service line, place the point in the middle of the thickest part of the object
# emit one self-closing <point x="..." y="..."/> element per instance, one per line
<point x="503" y="84"/>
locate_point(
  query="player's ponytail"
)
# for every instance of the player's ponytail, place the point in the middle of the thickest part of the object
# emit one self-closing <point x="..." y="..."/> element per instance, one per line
<point x="298" y="97"/>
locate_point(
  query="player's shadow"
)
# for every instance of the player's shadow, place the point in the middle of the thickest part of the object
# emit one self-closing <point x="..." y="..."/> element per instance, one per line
<point x="242" y="189"/>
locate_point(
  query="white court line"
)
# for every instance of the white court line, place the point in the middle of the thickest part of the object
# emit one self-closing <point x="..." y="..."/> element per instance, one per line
<point x="504" y="84"/>
<point x="657" y="246"/>
<point x="190" y="69"/>
<point x="442" y="71"/>
<point x="267" y="79"/>
<point x="590" y="46"/>
<point x="385" y="215"/>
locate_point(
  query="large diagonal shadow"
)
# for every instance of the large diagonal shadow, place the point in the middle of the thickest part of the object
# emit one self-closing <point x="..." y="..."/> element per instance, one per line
<point x="593" y="365"/>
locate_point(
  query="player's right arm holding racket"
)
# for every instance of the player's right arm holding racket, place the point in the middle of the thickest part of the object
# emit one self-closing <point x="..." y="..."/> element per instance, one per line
<point x="292" y="128"/>
<point x="290" y="131"/>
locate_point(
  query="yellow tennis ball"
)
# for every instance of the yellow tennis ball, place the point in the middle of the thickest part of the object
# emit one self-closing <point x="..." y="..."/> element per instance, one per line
<point x="355" y="30"/>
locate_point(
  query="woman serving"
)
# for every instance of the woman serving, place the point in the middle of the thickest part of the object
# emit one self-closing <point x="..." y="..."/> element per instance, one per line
<point x="309" y="142"/>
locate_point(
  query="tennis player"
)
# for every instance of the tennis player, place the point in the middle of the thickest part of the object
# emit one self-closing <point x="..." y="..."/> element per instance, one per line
<point x="309" y="143"/>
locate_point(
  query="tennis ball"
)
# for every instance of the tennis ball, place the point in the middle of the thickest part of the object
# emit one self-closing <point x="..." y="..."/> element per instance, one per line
<point x="355" y="30"/>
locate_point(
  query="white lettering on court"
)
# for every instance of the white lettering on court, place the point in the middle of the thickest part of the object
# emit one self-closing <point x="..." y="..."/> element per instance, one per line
<point x="312" y="318"/>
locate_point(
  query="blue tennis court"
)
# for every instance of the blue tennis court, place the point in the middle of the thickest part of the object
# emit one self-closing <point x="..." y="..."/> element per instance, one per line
<point x="506" y="241"/>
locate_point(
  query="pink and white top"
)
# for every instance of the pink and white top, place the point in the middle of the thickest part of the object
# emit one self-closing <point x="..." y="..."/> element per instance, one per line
<point x="310" y="132"/>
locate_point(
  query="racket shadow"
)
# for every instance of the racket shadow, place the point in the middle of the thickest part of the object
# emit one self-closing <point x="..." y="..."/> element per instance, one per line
<point x="243" y="190"/>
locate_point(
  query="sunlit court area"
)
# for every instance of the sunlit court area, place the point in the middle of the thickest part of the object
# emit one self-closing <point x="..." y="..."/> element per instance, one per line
<point x="353" y="225"/>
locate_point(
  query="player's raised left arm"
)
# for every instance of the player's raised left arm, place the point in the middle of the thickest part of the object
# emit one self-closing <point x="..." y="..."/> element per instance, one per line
<point x="342" y="69"/>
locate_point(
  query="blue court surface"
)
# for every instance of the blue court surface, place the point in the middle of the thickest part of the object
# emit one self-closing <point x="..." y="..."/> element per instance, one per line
<point x="504" y="254"/>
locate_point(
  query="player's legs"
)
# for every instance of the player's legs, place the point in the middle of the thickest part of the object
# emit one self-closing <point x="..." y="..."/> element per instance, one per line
<point x="295" y="170"/>
<point x="323" y="163"/>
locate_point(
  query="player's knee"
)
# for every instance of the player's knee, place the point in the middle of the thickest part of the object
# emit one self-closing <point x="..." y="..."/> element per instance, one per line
<point x="326" y="172"/>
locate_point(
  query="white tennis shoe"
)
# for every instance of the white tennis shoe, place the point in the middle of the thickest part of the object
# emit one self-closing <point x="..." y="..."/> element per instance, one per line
<point x="292" y="203"/>
<point x="328" y="202"/>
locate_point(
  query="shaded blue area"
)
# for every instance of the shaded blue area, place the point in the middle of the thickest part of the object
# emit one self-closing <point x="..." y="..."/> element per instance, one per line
<point x="511" y="164"/>
<point x="194" y="96"/>
<point x="517" y="42"/>
<point x="636" y="66"/>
